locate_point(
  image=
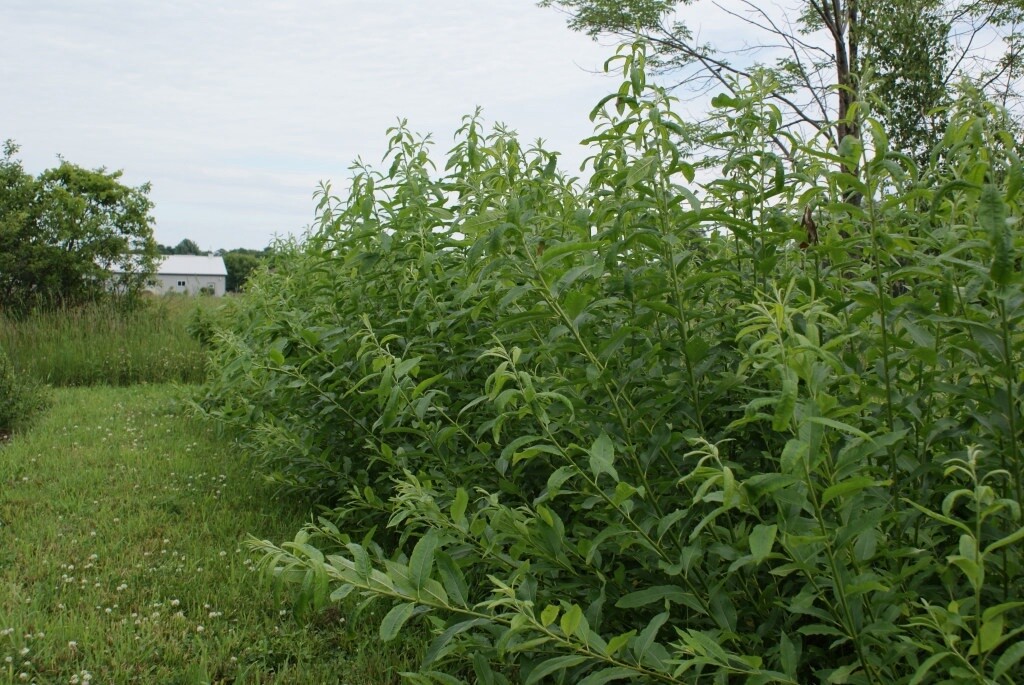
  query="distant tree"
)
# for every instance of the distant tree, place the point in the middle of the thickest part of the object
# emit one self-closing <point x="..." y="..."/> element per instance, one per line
<point x="240" y="264"/>
<point x="187" y="246"/>
<point x="63" y="231"/>
<point x="916" y="50"/>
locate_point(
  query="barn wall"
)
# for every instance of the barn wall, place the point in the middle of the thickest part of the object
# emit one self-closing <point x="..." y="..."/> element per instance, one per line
<point x="169" y="283"/>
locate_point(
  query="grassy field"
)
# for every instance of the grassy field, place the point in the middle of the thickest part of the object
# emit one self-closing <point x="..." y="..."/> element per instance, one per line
<point x="102" y="343"/>
<point x="123" y="558"/>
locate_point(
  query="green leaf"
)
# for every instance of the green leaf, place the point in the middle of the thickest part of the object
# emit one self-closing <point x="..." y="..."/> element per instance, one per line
<point x="623" y="492"/>
<point x="422" y="559"/>
<point x="726" y="101"/>
<point x="975" y="572"/>
<point x="607" y="675"/>
<point x="842" y="674"/>
<point x="441" y="641"/>
<point x="761" y="540"/>
<point x="342" y="592"/>
<point x="1014" y="180"/>
<point x="785" y="405"/>
<point x="1013" y="537"/>
<point x="558" y="663"/>
<point x="1010" y="658"/>
<point x="459" y="505"/>
<point x="992" y="217"/>
<point x="276" y="356"/>
<point x="641" y="170"/>
<point x="793" y="455"/>
<point x="404" y="367"/>
<point x="922" y="671"/>
<point x="850" y="148"/>
<point x="482" y="669"/>
<point x="989" y="635"/>
<point x="618" y="642"/>
<point x="789" y="656"/>
<point x="847" y="487"/>
<point x="549" y="615"/>
<point x="395" y="619"/>
<point x="636" y="79"/>
<point x="839" y="425"/>
<point x="647" y="636"/>
<point x="452" y="578"/>
<point x="650" y="595"/>
<point x="602" y="456"/>
<point x="571" y="620"/>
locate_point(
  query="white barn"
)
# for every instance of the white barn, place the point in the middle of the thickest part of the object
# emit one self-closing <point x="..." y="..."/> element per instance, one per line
<point x="189" y="274"/>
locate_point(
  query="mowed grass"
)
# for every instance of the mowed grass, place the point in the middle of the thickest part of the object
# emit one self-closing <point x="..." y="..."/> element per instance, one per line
<point x="123" y="558"/>
<point x="105" y="343"/>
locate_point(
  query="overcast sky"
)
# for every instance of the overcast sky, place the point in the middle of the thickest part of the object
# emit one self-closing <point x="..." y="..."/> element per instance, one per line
<point x="235" y="110"/>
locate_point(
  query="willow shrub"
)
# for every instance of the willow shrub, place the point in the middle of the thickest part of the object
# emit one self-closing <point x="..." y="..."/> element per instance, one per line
<point x="617" y="431"/>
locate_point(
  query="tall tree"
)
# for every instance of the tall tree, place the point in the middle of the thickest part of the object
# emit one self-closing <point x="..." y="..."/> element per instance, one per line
<point x="63" y="233"/>
<point x="916" y="49"/>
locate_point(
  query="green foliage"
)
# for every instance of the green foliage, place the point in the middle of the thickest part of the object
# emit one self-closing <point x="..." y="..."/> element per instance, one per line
<point x="186" y="247"/>
<point x="20" y="396"/>
<point x="652" y="430"/>
<point x="910" y="72"/>
<point x="241" y="264"/>
<point x="62" y="232"/>
<point x="107" y="343"/>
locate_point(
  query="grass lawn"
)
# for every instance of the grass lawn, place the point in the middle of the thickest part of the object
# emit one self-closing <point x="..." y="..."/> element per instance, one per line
<point x="123" y="558"/>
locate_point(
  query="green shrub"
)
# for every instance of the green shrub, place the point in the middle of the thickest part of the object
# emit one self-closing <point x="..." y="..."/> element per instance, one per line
<point x="20" y="396"/>
<point x="617" y="431"/>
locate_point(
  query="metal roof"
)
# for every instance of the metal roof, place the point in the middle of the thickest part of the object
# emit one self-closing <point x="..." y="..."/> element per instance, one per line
<point x="186" y="265"/>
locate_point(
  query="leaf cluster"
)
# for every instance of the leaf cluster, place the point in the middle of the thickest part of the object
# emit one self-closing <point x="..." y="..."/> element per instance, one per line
<point x="62" y="231"/>
<point x="653" y="429"/>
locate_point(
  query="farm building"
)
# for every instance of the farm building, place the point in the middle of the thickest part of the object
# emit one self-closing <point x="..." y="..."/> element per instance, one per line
<point x="189" y="274"/>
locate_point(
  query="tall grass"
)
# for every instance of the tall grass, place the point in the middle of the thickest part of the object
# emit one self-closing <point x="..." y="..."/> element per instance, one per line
<point x="106" y="343"/>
